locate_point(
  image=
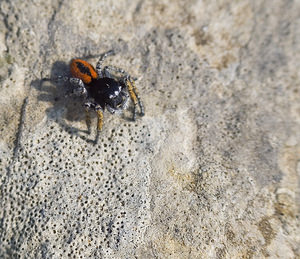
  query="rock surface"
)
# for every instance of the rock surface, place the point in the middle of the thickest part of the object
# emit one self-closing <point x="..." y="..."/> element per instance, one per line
<point x="211" y="171"/>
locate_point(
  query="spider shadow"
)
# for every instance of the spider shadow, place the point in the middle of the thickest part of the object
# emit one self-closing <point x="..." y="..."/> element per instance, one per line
<point x="65" y="111"/>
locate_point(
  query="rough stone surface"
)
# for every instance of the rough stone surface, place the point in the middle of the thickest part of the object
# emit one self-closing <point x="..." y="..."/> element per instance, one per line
<point x="211" y="171"/>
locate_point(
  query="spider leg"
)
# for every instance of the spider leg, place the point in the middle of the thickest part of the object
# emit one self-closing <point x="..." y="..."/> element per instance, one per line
<point x="100" y="62"/>
<point x="133" y="98"/>
<point x="116" y="69"/>
<point x="100" y="120"/>
<point x="88" y="119"/>
<point x="79" y="87"/>
<point x="125" y="102"/>
<point x="113" y="110"/>
<point x="133" y="92"/>
<point x="138" y="97"/>
<point x="108" y="69"/>
<point x="90" y="105"/>
<point x="106" y="73"/>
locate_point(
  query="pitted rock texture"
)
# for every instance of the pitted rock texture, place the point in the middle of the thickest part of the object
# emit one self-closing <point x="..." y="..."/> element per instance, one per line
<point x="211" y="171"/>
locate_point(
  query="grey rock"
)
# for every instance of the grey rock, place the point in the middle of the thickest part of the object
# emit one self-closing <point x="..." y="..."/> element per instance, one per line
<point x="211" y="171"/>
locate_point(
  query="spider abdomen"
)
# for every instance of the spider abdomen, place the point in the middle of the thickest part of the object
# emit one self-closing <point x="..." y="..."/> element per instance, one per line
<point x="83" y="70"/>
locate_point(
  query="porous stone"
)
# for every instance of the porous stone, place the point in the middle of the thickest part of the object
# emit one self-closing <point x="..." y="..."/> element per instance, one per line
<point x="211" y="171"/>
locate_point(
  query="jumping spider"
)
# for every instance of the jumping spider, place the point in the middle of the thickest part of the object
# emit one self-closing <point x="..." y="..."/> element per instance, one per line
<point x="100" y="89"/>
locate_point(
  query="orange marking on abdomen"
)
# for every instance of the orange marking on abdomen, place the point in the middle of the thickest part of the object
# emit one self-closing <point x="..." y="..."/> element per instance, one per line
<point x="83" y="70"/>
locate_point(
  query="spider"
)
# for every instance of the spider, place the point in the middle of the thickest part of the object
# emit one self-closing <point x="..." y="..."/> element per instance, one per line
<point x="100" y="89"/>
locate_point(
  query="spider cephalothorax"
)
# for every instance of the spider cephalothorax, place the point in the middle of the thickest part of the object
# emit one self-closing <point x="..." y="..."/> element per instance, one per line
<point x="100" y="89"/>
<point x="109" y="93"/>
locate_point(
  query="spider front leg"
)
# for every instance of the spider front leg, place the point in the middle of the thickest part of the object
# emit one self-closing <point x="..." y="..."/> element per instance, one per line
<point x="134" y="97"/>
<point x="100" y="62"/>
<point x="138" y="98"/>
<point x="129" y="82"/>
